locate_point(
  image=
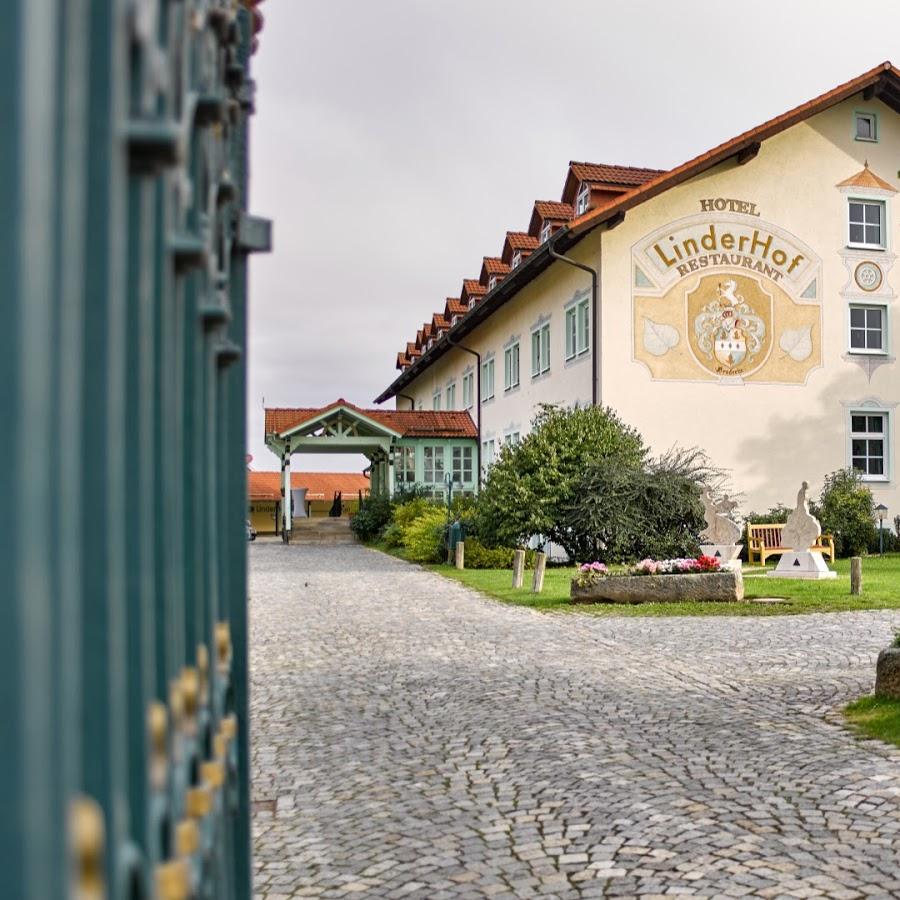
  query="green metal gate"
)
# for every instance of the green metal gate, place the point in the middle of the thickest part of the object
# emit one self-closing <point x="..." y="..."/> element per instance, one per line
<point x="123" y="630"/>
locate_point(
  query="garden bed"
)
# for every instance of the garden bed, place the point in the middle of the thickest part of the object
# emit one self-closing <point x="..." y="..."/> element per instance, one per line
<point x="718" y="587"/>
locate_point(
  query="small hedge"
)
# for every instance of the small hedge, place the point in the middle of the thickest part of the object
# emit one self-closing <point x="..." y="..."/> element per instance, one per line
<point x="481" y="557"/>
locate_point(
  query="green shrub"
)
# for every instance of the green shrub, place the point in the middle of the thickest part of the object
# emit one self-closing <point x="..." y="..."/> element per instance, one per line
<point x="846" y="510"/>
<point x="533" y="483"/>
<point x="371" y="519"/>
<point x="406" y="512"/>
<point x="480" y="557"/>
<point x="627" y="512"/>
<point x="423" y="537"/>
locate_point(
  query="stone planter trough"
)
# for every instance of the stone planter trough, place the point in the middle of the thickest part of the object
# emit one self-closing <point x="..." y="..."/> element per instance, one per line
<point x="722" y="587"/>
<point x="887" y="673"/>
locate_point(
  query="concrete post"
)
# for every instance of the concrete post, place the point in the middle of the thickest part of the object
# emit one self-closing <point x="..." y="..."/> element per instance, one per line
<point x="460" y="555"/>
<point x="518" y="568"/>
<point x="286" y="490"/>
<point x="856" y="575"/>
<point x="540" y="563"/>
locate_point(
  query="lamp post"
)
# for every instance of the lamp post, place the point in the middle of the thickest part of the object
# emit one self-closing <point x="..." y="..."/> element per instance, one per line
<point x="448" y="480"/>
<point x="880" y="514"/>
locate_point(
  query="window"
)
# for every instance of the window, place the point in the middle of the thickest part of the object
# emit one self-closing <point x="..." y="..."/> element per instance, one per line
<point x="546" y="231"/>
<point x="492" y="282"/>
<point x="462" y="465"/>
<point x="517" y="259"/>
<point x="451" y="396"/>
<point x="867" y="331"/>
<point x="583" y="200"/>
<point x="436" y="400"/>
<point x="487" y="380"/>
<point x="866" y="220"/>
<point x="487" y="454"/>
<point x="866" y="126"/>
<point x="540" y="350"/>
<point x="453" y="320"/>
<point x="868" y="444"/>
<point x="577" y="329"/>
<point x="405" y="465"/>
<point x="468" y="390"/>
<point x="511" y="367"/>
<point x="434" y="465"/>
<point x="512" y="438"/>
<point x="472" y="303"/>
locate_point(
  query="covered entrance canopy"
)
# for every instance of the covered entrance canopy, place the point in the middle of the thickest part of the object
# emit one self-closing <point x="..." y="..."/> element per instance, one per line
<point x="405" y="447"/>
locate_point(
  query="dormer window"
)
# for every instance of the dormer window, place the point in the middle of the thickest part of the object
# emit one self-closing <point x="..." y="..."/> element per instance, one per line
<point x="472" y="303"/>
<point x="546" y="231"/>
<point x="583" y="200"/>
<point x="428" y="344"/>
<point x="492" y="282"/>
<point x="453" y="320"/>
<point x="517" y="259"/>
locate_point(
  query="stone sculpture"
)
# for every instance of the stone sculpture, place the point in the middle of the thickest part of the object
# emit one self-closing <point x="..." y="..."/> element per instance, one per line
<point x="800" y="533"/>
<point x="720" y="527"/>
<point x="802" y="530"/>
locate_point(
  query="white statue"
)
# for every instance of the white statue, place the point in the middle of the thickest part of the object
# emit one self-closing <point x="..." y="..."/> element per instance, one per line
<point x="720" y="527"/>
<point x="802" y="530"/>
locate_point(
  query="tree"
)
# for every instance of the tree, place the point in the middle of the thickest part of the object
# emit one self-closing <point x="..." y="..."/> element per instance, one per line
<point x="533" y="484"/>
<point x="847" y="511"/>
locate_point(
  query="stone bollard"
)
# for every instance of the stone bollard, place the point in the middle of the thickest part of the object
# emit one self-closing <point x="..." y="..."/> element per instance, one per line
<point x="856" y="575"/>
<point x="540" y="563"/>
<point x="518" y="568"/>
<point x="887" y="673"/>
<point x="460" y="555"/>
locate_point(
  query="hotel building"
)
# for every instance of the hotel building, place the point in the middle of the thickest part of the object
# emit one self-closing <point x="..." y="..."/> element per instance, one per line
<point x="743" y="302"/>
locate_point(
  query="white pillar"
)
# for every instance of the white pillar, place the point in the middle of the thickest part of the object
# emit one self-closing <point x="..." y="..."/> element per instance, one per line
<point x="286" y="487"/>
<point x="392" y="478"/>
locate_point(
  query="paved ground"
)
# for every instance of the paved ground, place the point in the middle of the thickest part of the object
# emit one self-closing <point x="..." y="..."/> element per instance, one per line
<point x="412" y="739"/>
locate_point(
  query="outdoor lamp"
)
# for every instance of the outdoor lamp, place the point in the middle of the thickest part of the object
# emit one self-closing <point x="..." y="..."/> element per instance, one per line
<point x="880" y="514"/>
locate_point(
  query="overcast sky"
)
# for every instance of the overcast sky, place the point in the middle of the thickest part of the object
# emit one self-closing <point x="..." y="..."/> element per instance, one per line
<point x="396" y="141"/>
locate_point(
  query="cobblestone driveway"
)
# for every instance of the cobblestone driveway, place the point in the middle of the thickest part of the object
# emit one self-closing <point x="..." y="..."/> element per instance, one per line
<point x="412" y="739"/>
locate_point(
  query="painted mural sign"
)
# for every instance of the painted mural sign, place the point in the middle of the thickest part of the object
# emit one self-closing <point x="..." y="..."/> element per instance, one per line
<point x="726" y="296"/>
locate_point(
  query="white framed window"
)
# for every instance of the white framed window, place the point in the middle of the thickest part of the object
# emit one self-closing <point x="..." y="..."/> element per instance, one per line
<point x="462" y="465"/>
<point x="492" y="282"/>
<point x="487" y="454"/>
<point x="511" y="367"/>
<point x="578" y="317"/>
<point x="866" y="223"/>
<point x="405" y="465"/>
<point x="512" y="438"/>
<point x="436" y="400"/>
<point x="453" y="320"/>
<point x="472" y="303"/>
<point x="869" y="444"/>
<point x="868" y="328"/>
<point x="468" y="390"/>
<point x="540" y="350"/>
<point x="434" y="465"/>
<point x="516" y="259"/>
<point x="546" y="231"/>
<point x="487" y="380"/>
<point x="451" y="396"/>
<point x="865" y="126"/>
<point x="583" y="199"/>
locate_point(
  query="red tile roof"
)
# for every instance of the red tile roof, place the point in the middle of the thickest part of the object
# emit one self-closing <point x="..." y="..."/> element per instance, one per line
<point x="406" y="422"/>
<point x="618" y="176"/>
<point x="551" y="209"/>
<point x="319" y="485"/>
<point x="493" y="265"/>
<point x="454" y="307"/>
<point x="402" y="360"/>
<point x="438" y="322"/>
<point x="746" y="143"/>
<point x="520" y="240"/>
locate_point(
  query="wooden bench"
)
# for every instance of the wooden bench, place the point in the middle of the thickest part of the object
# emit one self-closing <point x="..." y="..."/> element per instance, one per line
<point x="765" y="541"/>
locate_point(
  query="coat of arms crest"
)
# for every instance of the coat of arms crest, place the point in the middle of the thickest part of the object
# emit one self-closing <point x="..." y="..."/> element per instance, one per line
<point x="728" y="330"/>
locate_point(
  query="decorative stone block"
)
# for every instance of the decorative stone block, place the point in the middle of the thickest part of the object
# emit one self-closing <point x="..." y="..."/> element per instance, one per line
<point x="887" y="673"/>
<point x="806" y="564"/>
<point x="720" y="587"/>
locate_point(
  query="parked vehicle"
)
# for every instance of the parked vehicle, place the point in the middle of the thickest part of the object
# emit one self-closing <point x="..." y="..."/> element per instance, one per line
<point x="251" y="532"/>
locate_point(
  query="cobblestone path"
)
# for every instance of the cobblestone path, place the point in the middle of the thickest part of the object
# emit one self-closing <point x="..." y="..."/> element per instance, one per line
<point x="412" y="739"/>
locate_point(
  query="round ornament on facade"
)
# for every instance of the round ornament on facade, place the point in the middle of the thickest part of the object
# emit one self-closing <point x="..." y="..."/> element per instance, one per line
<point x="868" y="276"/>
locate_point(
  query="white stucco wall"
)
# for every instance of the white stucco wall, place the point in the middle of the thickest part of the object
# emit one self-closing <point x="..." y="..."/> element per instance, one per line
<point x="771" y="436"/>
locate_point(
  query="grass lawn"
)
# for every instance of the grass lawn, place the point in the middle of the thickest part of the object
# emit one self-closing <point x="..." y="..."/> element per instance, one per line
<point x="881" y="590"/>
<point x="875" y="717"/>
